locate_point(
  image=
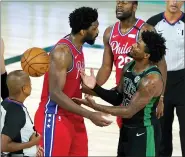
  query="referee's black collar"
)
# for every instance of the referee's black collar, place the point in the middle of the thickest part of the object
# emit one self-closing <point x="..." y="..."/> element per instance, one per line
<point x="15" y="101"/>
<point x="182" y="15"/>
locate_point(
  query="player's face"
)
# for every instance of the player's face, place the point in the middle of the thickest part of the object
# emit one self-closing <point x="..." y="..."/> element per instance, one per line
<point x="92" y="33"/>
<point x="137" y="51"/>
<point x="174" y="6"/>
<point x="27" y="87"/>
<point x="124" y="9"/>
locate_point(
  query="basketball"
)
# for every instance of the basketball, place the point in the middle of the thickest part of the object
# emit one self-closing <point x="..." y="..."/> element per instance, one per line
<point x="35" y="62"/>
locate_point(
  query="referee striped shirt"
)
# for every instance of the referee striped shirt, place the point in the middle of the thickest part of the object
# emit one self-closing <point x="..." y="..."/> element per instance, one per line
<point x="16" y="124"/>
<point x="174" y="35"/>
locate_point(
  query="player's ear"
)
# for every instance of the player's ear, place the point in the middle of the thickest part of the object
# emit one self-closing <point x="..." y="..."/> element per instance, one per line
<point x="134" y="7"/>
<point x="82" y="32"/>
<point x="147" y="55"/>
<point x="24" y="88"/>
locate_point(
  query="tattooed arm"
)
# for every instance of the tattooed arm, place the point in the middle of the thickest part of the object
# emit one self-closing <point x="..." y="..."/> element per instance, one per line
<point x="150" y="86"/>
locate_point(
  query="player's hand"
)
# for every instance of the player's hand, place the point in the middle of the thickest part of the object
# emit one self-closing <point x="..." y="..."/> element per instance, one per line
<point x="40" y="152"/>
<point x="35" y="139"/>
<point x="83" y="101"/>
<point x="89" y="81"/>
<point x="80" y="101"/>
<point x="97" y="119"/>
<point x="91" y="102"/>
<point x="160" y="108"/>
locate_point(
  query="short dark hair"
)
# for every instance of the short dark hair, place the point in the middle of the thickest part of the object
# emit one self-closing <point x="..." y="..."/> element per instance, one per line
<point x="155" y="45"/>
<point x="82" y="18"/>
<point x="135" y="2"/>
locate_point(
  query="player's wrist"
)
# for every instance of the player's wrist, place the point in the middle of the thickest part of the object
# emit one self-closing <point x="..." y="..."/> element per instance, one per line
<point x="161" y="97"/>
<point x="89" y="114"/>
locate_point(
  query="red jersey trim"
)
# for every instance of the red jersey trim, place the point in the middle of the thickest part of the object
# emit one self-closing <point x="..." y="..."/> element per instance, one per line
<point x="80" y="52"/>
<point x="129" y="30"/>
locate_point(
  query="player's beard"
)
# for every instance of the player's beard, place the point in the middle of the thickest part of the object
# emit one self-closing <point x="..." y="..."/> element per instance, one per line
<point x="89" y="40"/>
<point x="123" y="16"/>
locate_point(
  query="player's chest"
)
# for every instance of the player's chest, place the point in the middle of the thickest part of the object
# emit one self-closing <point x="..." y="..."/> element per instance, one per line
<point x="122" y="45"/>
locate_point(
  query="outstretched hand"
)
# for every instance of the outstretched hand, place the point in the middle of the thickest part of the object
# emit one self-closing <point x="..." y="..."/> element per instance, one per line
<point x="85" y="102"/>
<point x="89" y="81"/>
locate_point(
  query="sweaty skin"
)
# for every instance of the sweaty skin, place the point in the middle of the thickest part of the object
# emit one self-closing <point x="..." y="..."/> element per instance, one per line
<point x="60" y="62"/>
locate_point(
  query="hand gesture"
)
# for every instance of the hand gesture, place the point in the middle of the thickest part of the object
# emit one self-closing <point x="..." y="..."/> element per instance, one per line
<point x="97" y="119"/>
<point x="89" y="81"/>
<point x="83" y="101"/>
<point x="80" y="101"/>
<point x="91" y="102"/>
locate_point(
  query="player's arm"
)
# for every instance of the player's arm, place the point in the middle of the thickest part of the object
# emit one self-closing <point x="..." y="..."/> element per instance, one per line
<point x="150" y="86"/>
<point x="3" y="69"/>
<point x="107" y="63"/>
<point x="161" y="64"/>
<point x="113" y="96"/>
<point x="60" y="62"/>
<point x="4" y="87"/>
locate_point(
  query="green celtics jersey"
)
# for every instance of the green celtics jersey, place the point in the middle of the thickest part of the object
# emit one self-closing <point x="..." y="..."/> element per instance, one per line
<point x="146" y="116"/>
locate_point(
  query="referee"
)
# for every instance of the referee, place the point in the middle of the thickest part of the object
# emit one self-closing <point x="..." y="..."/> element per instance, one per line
<point x="171" y="25"/>
<point x="18" y="137"/>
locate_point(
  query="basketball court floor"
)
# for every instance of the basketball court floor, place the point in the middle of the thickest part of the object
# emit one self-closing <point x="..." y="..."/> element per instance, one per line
<point x="41" y="24"/>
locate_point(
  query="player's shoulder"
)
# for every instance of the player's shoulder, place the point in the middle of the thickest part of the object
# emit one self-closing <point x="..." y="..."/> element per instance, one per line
<point x="155" y="19"/>
<point x="60" y="50"/>
<point x="152" y="80"/>
<point x="108" y="29"/>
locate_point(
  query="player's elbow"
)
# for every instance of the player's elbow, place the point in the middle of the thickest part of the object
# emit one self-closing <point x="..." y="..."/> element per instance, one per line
<point x="128" y="114"/>
<point x="4" y="146"/>
<point x="54" y="93"/>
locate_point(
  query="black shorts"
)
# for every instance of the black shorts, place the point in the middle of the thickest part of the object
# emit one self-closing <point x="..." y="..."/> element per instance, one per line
<point x="142" y="141"/>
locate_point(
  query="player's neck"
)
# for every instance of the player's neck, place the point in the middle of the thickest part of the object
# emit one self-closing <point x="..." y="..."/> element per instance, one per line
<point x="140" y="66"/>
<point x="172" y="17"/>
<point x="76" y="41"/>
<point x="128" y="23"/>
<point x="18" y="98"/>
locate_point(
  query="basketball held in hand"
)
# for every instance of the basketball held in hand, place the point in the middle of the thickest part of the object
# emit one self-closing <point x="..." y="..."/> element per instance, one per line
<point x="35" y="62"/>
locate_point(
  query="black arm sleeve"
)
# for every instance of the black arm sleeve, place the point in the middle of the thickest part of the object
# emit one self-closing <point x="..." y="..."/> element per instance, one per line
<point x="4" y="87"/>
<point x="111" y="96"/>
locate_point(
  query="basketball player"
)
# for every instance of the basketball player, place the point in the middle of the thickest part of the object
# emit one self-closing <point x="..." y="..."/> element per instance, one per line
<point x="171" y="25"/>
<point x="139" y="91"/>
<point x="18" y="137"/>
<point x="118" y="40"/>
<point x="58" y="119"/>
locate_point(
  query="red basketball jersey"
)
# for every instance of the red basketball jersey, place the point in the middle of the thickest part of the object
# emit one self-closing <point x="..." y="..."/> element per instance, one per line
<point x="72" y="86"/>
<point x="121" y="45"/>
